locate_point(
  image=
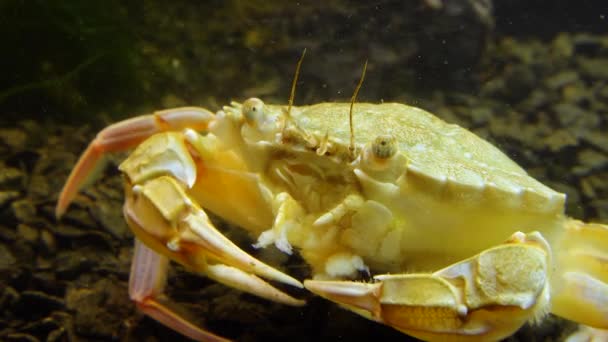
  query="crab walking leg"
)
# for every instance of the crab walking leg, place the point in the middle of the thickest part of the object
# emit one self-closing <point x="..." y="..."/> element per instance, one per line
<point x="287" y="211"/>
<point x="580" y="284"/>
<point x="484" y="298"/>
<point x="125" y="135"/>
<point x="147" y="282"/>
<point x="162" y="216"/>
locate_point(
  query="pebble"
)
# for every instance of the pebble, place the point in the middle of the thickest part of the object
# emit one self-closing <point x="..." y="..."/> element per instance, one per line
<point x="7" y="259"/>
<point x="27" y="232"/>
<point x="561" y="79"/>
<point x="14" y="138"/>
<point x="594" y="68"/>
<point x="590" y="160"/>
<point x="7" y="196"/>
<point x="24" y="210"/>
<point x="10" y="176"/>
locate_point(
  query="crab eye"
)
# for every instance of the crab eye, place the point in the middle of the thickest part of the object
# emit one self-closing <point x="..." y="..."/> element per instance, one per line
<point x="384" y="147"/>
<point x="252" y="111"/>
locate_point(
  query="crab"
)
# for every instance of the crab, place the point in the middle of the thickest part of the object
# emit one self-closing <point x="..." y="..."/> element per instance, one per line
<point x="460" y="242"/>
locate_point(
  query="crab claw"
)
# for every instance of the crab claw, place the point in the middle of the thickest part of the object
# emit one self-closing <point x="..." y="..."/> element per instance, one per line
<point x="161" y="214"/>
<point x="486" y="297"/>
<point x="125" y="135"/>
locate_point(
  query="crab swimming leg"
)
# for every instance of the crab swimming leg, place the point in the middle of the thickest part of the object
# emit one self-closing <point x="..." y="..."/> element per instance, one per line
<point x="484" y="298"/>
<point x="124" y="135"/>
<point x="579" y="290"/>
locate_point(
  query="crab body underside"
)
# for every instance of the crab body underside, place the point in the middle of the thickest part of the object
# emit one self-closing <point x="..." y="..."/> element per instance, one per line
<point x="462" y="243"/>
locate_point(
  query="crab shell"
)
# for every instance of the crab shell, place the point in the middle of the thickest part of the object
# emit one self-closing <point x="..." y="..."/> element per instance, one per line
<point x="444" y="195"/>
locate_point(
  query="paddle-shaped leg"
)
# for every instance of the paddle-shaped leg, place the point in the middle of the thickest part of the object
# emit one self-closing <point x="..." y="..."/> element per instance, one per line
<point x="484" y="298"/>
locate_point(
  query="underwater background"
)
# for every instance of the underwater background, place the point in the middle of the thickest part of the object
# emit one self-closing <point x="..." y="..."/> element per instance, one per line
<point x="530" y="76"/>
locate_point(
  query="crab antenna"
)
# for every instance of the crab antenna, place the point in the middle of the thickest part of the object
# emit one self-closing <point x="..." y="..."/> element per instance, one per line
<point x="293" y="85"/>
<point x="352" y="104"/>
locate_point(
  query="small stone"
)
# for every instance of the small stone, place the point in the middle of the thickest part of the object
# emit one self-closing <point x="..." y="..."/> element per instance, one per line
<point x="7" y="196"/>
<point x="10" y="176"/>
<point x="561" y="79"/>
<point x="562" y="46"/>
<point x="48" y="240"/>
<point x="8" y="298"/>
<point x="601" y="207"/>
<point x="16" y="139"/>
<point x="597" y="139"/>
<point x="481" y="115"/>
<point x="603" y="91"/>
<point x="28" y="233"/>
<point x="7" y="234"/>
<point x="594" y="68"/>
<point x="560" y="139"/>
<point x="7" y="259"/>
<point x="576" y="93"/>
<point x="537" y="99"/>
<point x="99" y="309"/>
<point x="570" y="114"/>
<point x="24" y="210"/>
<point x="590" y="160"/>
<point x="110" y="217"/>
<point x="69" y="264"/>
<point x="587" y="188"/>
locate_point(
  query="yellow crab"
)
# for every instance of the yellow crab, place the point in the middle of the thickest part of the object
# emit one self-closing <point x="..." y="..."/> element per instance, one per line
<point x="462" y="243"/>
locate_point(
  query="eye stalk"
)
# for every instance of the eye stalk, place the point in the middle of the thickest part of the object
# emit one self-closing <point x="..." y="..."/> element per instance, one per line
<point x="253" y="111"/>
<point x="381" y="159"/>
<point x="384" y="147"/>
